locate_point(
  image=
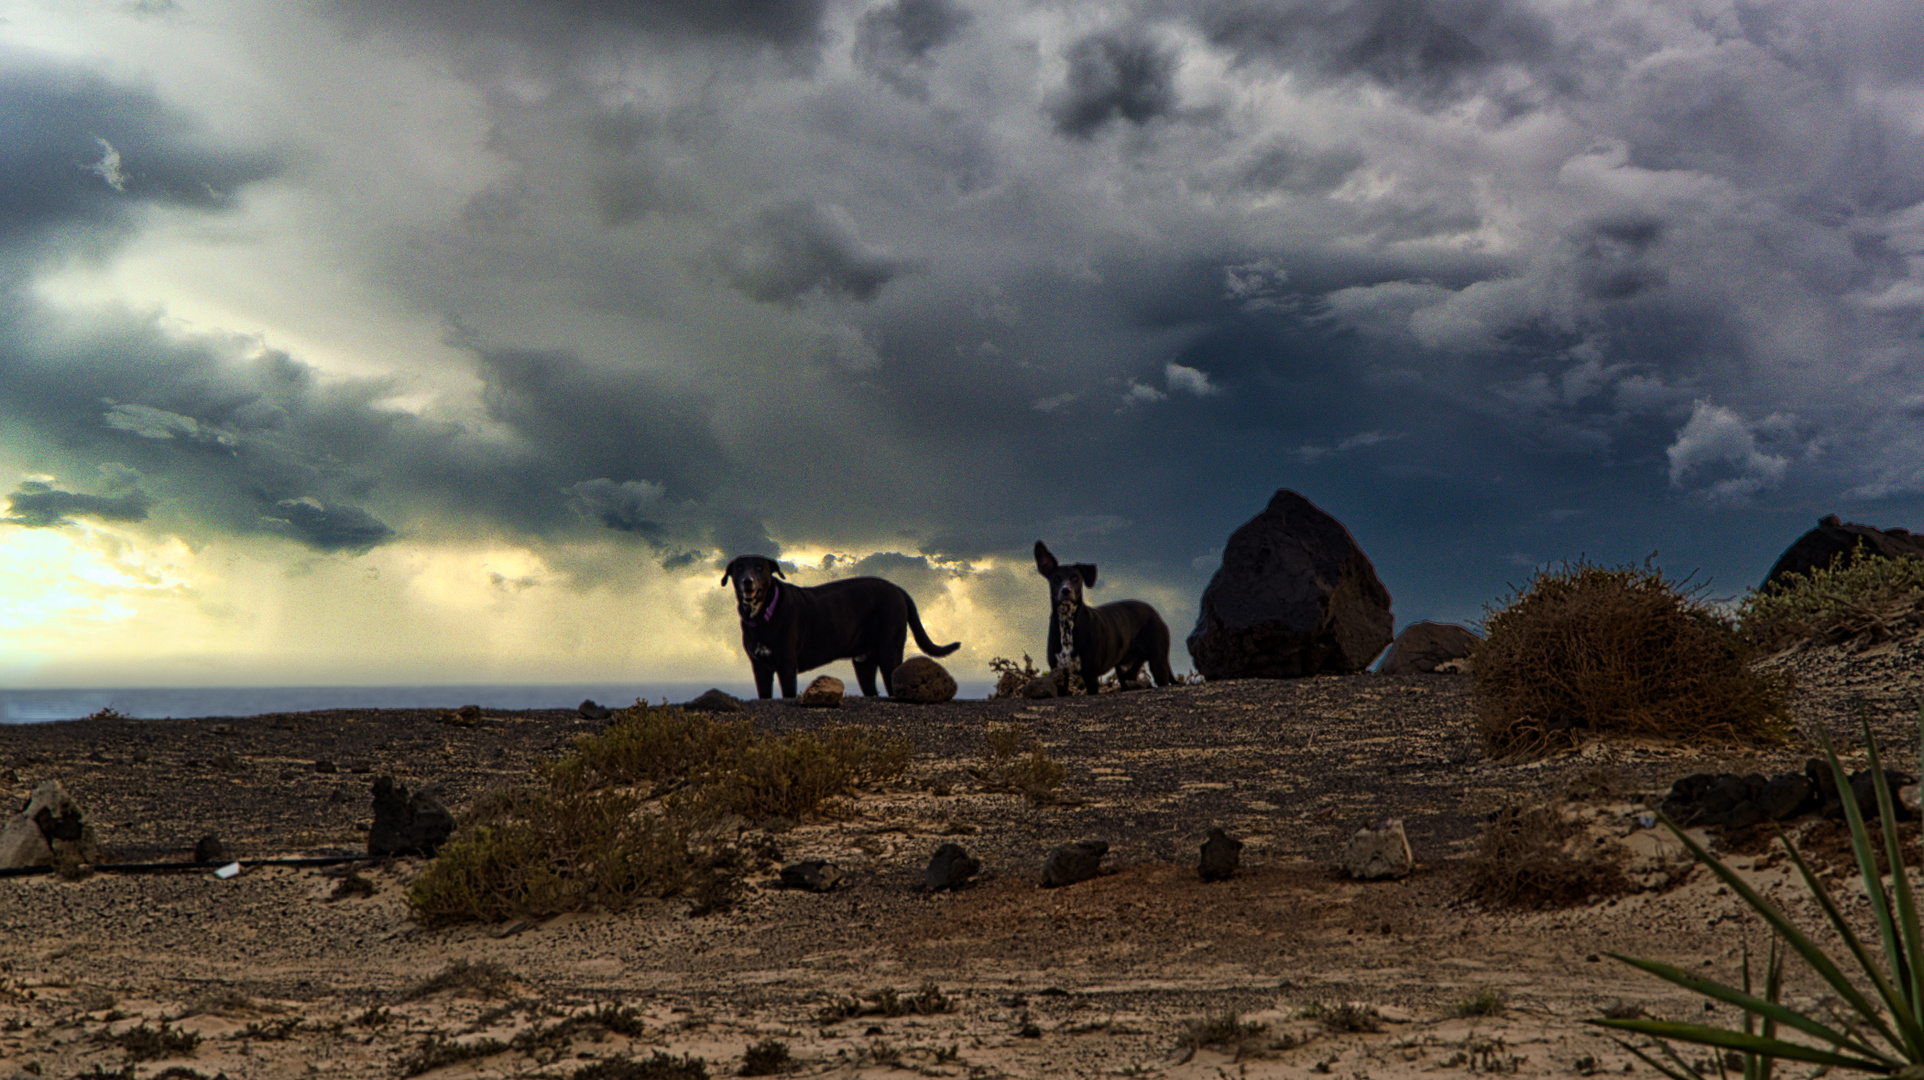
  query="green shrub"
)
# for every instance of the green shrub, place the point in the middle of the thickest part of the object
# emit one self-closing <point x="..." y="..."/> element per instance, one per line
<point x="769" y="1057"/>
<point x="1858" y="595"/>
<point x="1617" y="650"/>
<point x="612" y="822"/>
<point x="1223" y="1029"/>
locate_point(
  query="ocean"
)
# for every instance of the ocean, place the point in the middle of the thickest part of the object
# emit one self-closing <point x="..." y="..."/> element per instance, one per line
<point x="161" y="703"/>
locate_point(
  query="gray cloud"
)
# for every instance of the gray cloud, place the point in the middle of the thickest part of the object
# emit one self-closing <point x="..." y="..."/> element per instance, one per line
<point x="895" y="42"/>
<point x="327" y="528"/>
<point x="796" y="249"/>
<point x="793" y="25"/>
<point x="40" y="505"/>
<point x="1114" y="74"/>
<point x="623" y="506"/>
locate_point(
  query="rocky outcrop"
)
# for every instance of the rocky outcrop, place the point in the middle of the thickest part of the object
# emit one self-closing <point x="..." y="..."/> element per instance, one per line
<point x="824" y="693"/>
<point x="813" y="875"/>
<point x="922" y="681"/>
<point x="1382" y="852"/>
<point x="1294" y="596"/>
<point x="406" y="824"/>
<point x="1733" y="801"/>
<point x="51" y="830"/>
<point x="1422" y="647"/>
<point x="1832" y="537"/>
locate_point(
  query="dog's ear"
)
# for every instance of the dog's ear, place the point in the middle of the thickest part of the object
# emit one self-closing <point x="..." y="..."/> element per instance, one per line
<point x="1045" y="563"/>
<point x="777" y="568"/>
<point x="1088" y="572"/>
<point x="730" y="572"/>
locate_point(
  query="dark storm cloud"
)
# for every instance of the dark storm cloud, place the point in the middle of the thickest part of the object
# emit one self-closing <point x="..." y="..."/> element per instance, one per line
<point x="1291" y="167"/>
<point x="895" y="42"/>
<point x="791" y="25"/>
<point x="327" y="528"/>
<point x="800" y="248"/>
<point x="78" y="152"/>
<point x="1114" y="73"/>
<point x="39" y="505"/>
<point x="1427" y="49"/>
<point x="623" y="506"/>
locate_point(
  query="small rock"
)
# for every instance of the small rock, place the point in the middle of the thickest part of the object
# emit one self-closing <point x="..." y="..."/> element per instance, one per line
<point x="951" y="868"/>
<point x="326" y="766"/>
<point x="1222" y="854"/>
<point x="813" y="875"/>
<point x="51" y="829"/>
<point x="922" y="681"/>
<point x="1786" y="796"/>
<point x="407" y="825"/>
<point x="588" y="710"/>
<point x="715" y="701"/>
<point x="1072" y="863"/>
<point x="469" y="712"/>
<point x="824" y="693"/>
<point x="1382" y="852"/>
<point x="1042" y="686"/>
<point x="208" y="849"/>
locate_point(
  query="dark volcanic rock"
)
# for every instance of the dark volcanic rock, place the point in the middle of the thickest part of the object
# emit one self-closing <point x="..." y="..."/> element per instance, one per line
<point x="715" y="701"/>
<point x="1787" y="796"/>
<point x="1075" y="862"/>
<point x="208" y="849"/>
<point x="922" y="681"/>
<point x="588" y="710"/>
<point x="1831" y="537"/>
<point x="813" y="875"/>
<point x="1421" y="646"/>
<point x="1222" y="854"/>
<point x="951" y="868"/>
<point x="407" y="825"/>
<point x="1294" y="596"/>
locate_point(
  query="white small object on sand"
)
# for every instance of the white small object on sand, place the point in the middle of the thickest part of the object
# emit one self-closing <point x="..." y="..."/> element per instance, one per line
<point x="232" y="869"/>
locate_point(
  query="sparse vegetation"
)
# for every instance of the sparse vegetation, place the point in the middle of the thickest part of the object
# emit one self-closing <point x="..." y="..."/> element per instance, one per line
<point x="927" y="1001"/>
<point x="768" y="1057"/>
<point x="1014" y="760"/>
<point x="145" y="1043"/>
<point x="1010" y="679"/>
<point x="1617" y="650"/>
<point x="1223" y="1029"/>
<point x="615" y="816"/>
<point x="462" y="978"/>
<point x="1344" y="1017"/>
<point x="1858" y="596"/>
<point x="1525" y="859"/>
<point x="1485" y="1002"/>
<point x="658" y="1066"/>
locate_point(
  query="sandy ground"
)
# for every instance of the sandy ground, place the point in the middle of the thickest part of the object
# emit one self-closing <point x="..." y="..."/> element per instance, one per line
<point x="299" y="972"/>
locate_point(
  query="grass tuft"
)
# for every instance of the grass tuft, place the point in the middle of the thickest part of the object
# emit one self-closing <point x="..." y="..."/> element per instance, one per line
<point x="1014" y="760"/>
<point x="1858" y="596"/>
<point x="1223" y="1029"/>
<point x="1524" y="859"/>
<point x="769" y="1057"/>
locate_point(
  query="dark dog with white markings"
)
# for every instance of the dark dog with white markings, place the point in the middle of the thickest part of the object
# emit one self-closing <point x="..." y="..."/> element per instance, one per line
<point x="1121" y="636"/>
<point x="789" y="628"/>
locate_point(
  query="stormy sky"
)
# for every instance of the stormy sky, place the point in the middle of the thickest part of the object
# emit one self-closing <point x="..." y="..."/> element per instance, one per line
<point x="465" y="340"/>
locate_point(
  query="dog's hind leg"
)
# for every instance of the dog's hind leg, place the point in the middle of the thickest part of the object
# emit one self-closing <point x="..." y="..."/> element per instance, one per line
<point x="865" y="674"/>
<point x="1154" y="643"/>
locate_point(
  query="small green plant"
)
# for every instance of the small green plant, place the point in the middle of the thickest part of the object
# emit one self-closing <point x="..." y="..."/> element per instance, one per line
<point x="1485" y="1002"/>
<point x="768" y="1057"/>
<point x="1016" y="761"/>
<point x="437" y="1051"/>
<point x="1343" y="1016"/>
<point x="1880" y="1031"/>
<point x="1223" y="1029"/>
<point x="658" y="1066"/>
<point x="1857" y="595"/>
<point x="1617" y="650"/>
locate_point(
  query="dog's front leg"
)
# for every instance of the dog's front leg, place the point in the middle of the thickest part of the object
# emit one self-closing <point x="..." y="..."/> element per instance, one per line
<point x="787" y="672"/>
<point x="764" y="680"/>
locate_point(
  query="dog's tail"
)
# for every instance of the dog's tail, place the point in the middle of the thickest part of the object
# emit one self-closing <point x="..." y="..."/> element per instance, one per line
<point x="922" y="641"/>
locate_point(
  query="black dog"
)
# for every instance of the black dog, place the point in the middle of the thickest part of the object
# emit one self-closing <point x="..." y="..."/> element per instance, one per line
<point x="789" y="628"/>
<point x="1123" y="635"/>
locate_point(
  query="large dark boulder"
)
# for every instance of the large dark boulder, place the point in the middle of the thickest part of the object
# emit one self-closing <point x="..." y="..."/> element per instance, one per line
<point x="1421" y="646"/>
<point x="1294" y="596"/>
<point x="1815" y="549"/>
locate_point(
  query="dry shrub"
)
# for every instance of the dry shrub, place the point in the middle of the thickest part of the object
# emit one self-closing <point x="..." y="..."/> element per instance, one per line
<point x="1525" y="859"/>
<point x="1859" y="596"/>
<point x="615" y="818"/>
<point x="1222" y="1029"/>
<point x="1617" y="650"/>
<point x="1010" y="679"/>
<point x="1016" y="761"/>
<point x="484" y="980"/>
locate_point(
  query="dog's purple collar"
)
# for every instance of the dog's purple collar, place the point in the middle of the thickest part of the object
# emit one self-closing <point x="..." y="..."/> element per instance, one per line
<point x="774" y="594"/>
